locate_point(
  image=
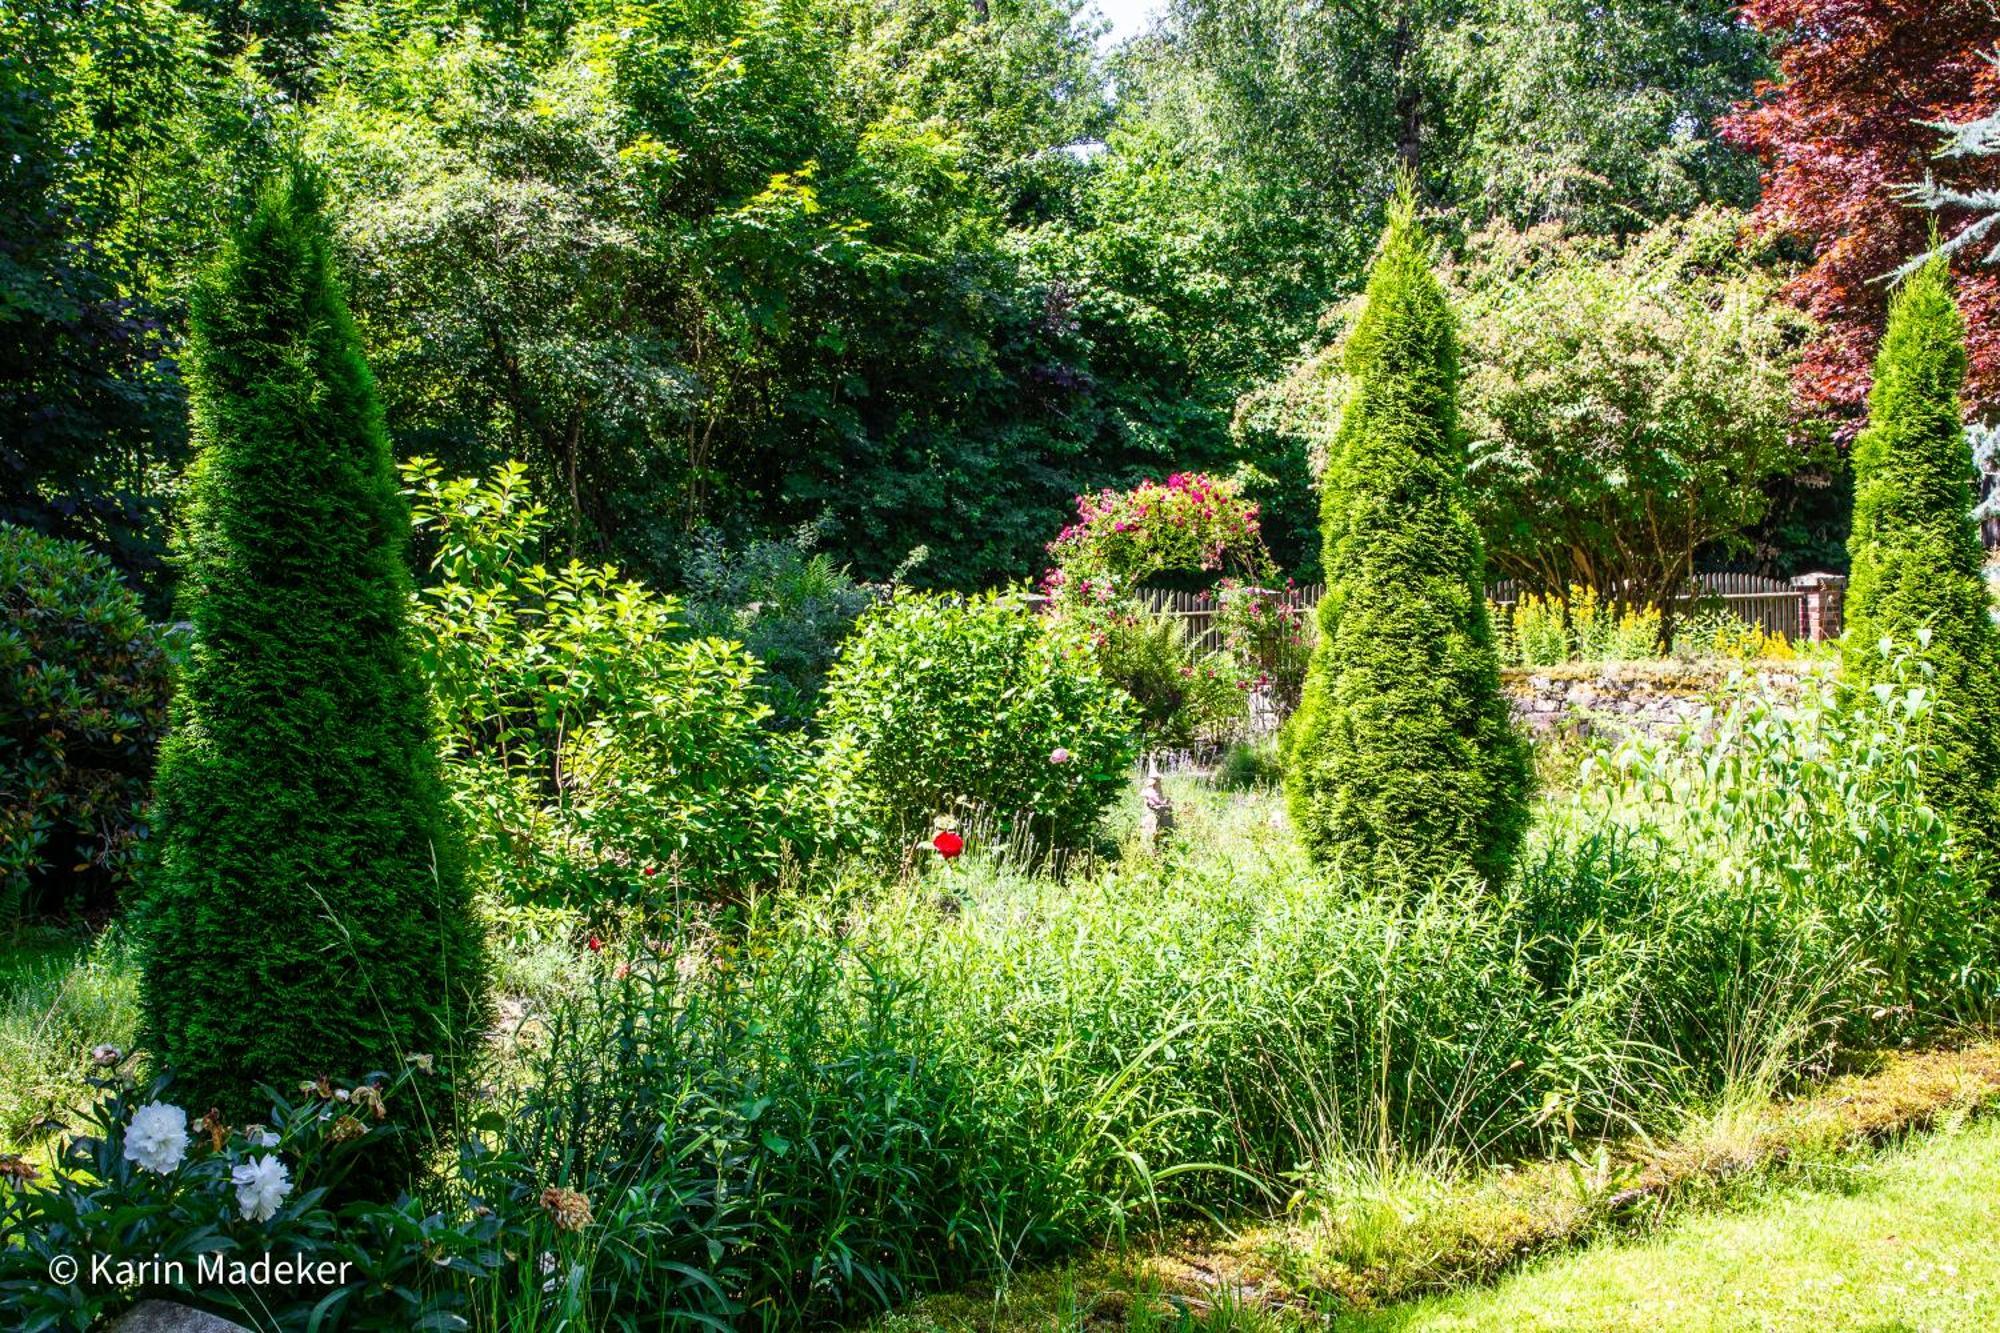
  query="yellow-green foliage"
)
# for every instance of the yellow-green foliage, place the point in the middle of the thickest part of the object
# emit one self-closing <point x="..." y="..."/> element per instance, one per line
<point x="1916" y="548"/>
<point x="1403" y="759"/>
<point x="1547" y="631"/>
<point x="310" y="915"/>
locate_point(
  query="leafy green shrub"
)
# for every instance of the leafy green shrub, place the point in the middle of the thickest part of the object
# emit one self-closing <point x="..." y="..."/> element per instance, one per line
<point x="598" y="753"/>
<point x="1916" y="546"/>
<point x="83" y="702"/>
<point x="310" y="911"/>
<point x="938" y="700"/>
<point x="1181" y="694"/>
<point x="788" y="605"/>
<point x="1403" y="760"/>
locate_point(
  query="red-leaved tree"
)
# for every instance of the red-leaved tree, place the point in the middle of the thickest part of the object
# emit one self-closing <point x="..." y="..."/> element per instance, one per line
<point x="1839" y="132"/>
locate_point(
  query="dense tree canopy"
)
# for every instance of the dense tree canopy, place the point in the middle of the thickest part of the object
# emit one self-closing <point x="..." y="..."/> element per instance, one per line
<point x="1841" y="132"/>
<point x="913" y="273"/>
<point x="1626" y="404"/>
<point x="112" y="125"/>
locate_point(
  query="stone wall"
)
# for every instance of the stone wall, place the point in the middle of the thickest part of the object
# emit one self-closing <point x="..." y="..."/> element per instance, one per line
<point x="1621" y="697"/>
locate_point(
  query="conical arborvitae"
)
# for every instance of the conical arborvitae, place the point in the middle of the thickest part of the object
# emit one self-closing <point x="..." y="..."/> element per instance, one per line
<point x="309" y="915"/>
<point x="1403" y="762"/>
<point x="1916" y="548"/>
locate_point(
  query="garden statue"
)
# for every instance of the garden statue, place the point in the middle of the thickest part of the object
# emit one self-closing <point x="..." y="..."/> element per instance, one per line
<point x="1158" y="821"/>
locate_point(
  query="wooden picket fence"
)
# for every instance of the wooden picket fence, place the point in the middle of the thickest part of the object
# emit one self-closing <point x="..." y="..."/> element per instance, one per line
<point x="1772" y="605"/>
<point x="1199" y="609"/>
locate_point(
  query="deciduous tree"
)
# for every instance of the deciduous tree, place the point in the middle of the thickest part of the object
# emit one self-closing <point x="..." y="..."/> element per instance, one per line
<point x="1840" y="132"/>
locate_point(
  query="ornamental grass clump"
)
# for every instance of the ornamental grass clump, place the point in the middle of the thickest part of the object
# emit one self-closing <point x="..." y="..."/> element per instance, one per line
<point x="310" y="911"/>
<point x="1403" y="761"/>
<point x="1916" y="545"/>
<point x="1770" y="881"/>
<point x="860" y="1095"/>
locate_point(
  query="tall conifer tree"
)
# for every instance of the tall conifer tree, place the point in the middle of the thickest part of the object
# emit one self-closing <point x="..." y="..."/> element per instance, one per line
<point x="1403" y="761"/>
<point x="1916" y="548"/>
<point x="309" y="915"/>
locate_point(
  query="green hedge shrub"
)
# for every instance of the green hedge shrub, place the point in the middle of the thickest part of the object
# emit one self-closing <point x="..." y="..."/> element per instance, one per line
<point x="939" y="701"/>
<point x="597" y="752"/>
<point x="1403" y="760"/>
<point x="310" y="912"/>
<point x="83" y="703"/>
<point x="1916" y="546"/>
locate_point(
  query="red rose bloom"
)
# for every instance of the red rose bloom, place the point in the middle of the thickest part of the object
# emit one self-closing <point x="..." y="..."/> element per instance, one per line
<point x="948" y="844"/>
<point x="595" y="944"/>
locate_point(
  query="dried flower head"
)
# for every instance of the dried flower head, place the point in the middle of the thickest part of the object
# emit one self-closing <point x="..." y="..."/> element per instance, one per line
<point x="14" y="1171"/>
<point x="347" y="1129"/>
<point x="569" y="1210"/>
<point x="105" y="1056"/>
<point x="368" y="1098"/>
<point x="425" y="1064"/>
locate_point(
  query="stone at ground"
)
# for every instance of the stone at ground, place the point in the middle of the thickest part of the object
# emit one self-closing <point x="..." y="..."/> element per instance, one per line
<point x="166" y="1317"/>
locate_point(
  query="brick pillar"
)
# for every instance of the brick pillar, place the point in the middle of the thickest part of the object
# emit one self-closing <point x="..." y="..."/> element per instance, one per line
<point x="1820" y="598"/>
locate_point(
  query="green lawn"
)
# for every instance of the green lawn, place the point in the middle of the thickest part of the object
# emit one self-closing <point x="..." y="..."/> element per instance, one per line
<point x="1914" y="1245"/>
<point x="33" y="954"/>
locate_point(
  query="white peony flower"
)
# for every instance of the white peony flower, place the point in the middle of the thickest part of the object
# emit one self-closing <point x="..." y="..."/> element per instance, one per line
<point x="157" y="1138"/>
<point x="260" y="1187"/>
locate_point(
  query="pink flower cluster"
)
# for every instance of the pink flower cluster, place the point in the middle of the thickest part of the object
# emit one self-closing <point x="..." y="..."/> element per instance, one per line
<point x="1190" y="521"/>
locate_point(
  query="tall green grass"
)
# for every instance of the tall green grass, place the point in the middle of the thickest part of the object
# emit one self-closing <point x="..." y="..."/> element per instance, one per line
<point x="857" y="1095"/>
<point x="859" y="1091"/>
<point x="825" y="1100"/>
<point x="54" y="1009"/>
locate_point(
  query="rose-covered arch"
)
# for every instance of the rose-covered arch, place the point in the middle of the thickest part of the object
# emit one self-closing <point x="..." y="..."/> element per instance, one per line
<point x="1191" y="522"/>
